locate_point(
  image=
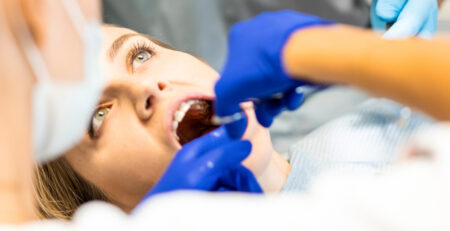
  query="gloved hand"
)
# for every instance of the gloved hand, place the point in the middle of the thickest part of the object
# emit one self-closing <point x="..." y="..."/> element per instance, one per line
<point x="209" y="163"/>
<point x="411" y="17"/>
<point x="254" y="67"/>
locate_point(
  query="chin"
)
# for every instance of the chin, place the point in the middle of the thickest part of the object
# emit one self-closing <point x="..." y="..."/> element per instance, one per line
<point x="262" y="149"/>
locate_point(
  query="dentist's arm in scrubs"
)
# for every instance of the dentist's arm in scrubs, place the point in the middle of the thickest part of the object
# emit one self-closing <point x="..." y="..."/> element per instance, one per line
<point x="275" y="52"/>
<point x="411" y="17"/>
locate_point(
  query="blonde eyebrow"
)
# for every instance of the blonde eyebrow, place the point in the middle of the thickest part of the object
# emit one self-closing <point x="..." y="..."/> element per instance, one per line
<point x="118" y="43"/>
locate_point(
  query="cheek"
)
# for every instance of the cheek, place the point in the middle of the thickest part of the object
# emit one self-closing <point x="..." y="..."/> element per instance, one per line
<point x="127" y="160"/>
<point x="183" y="67"/>
<point x="132" y="151"/>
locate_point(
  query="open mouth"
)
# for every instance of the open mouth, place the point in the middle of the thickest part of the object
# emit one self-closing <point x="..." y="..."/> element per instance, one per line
<point x="192" y="119"/>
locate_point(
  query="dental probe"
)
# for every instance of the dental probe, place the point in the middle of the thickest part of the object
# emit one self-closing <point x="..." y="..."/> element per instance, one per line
<point x="222" y="120"/>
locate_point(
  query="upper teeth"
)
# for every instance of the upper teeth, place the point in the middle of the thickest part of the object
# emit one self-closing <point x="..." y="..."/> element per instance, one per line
<point x="179" y="115"/>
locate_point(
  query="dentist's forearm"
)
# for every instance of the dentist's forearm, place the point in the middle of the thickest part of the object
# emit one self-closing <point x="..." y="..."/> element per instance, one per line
<point x="16" y="161"/>
<point x="414" y="72"/>
<point x="16" y="206"/>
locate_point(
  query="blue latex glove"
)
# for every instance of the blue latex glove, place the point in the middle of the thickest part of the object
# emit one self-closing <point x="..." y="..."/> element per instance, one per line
<point x="254" y="67"/>
<point x="209" y="163"/>
<point x="411" y="17"/>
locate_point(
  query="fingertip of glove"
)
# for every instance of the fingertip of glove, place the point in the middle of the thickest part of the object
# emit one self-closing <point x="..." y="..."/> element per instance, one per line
<point x="426" y="35"/>
<point x="386" y="11"/>
<point x="241" y="149"/>
<point x="247" y="145"/>
<point x="294" y="100"/>
<point x="264" y="119"/>
<point x="237" y="129"/>
<point x="218" y="132"/>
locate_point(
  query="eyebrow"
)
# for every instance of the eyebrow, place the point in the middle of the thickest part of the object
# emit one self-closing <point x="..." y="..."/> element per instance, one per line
<point x="117" y="44"/>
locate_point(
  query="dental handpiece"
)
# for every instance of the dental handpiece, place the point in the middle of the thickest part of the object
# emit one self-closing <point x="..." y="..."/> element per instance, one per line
<point x="222" y="120"/>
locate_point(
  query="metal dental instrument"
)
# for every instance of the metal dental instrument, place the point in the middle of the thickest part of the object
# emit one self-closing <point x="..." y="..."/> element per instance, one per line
<point x="222" y="120"/>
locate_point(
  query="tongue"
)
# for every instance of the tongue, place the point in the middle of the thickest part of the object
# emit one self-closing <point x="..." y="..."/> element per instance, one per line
<point x="196" y="122"/>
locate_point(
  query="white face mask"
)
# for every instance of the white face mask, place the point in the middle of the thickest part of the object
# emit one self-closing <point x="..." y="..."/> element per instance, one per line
<point x="61" y="110"/>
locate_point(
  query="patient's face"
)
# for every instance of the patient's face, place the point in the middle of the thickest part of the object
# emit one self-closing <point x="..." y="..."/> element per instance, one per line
<point x="133" y="136"/>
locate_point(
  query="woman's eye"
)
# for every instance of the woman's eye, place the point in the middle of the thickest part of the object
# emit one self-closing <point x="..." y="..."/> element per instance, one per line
<point x="97" y="120"/>
<point x="141" y="58"/>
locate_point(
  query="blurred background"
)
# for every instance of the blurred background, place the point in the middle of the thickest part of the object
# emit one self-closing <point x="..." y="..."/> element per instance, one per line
<point x="200" y="27"/>
<point x="444" y="17"/>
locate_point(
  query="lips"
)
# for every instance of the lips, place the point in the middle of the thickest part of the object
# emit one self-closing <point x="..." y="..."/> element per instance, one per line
<point x="192" y="119"/>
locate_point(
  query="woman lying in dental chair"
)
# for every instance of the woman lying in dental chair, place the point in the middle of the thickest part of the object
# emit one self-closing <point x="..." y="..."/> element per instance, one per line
<point x="159" y="101"/>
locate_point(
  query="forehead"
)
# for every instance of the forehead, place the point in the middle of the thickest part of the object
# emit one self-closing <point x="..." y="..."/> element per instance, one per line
<point x="111" y="33"/>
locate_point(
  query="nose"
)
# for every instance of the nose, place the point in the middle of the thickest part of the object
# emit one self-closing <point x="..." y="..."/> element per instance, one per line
<point x="147" y="96"/>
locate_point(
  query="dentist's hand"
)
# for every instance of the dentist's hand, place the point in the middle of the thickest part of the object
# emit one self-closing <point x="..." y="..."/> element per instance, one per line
<point x="209" y="163"/>
<point x="254" y="67"/>
<point x="411" y="17"/>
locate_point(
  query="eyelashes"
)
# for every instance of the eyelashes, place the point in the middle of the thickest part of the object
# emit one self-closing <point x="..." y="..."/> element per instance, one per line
<point x="138" y="48"/>
<point x="98" y="118"/>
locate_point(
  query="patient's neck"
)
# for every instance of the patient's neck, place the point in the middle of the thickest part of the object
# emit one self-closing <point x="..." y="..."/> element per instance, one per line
<point x="275" y="174"/>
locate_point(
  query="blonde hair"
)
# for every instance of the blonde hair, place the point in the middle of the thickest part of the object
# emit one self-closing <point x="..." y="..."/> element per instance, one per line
<point x="60" y="190"/>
